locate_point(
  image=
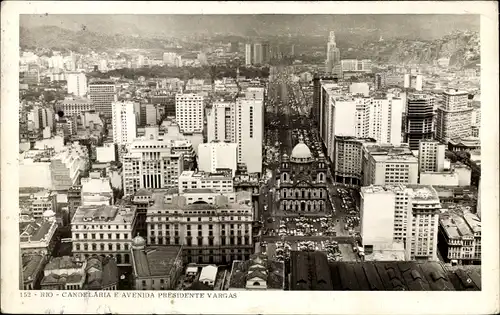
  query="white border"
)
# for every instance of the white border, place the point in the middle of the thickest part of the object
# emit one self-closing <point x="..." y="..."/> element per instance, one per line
<point x="296" y="302"/>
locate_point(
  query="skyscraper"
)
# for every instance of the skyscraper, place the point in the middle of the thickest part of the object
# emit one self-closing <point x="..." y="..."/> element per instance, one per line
<point x="221" y="122"/>
<point x="332" y="53"/>
<point x="189" y="112"/>
<point x="250" y="126"/>
<point x="419" y="119"/>
<point x="123" y="121"/>
<point x="431" y="156"/>
<point x="266" y="52"/>
<point x="257" y="53"/>
<point x="103" y="94"/>
<point x="77" y="83"/>
<point x="248" y="54"/>
<point x="453" y="116"/>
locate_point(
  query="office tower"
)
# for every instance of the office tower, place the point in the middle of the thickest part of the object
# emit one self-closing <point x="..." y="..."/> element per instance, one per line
<point x="389" y="165"/>
<point x="348" y="159"/>
<point x="123" y="122"/>
<point x="150" y="163"/>
<point x="249" y="121"/>
<point x="77" y="83"/>
<point x="257" y="53"/>
<point x="453" y="116"/>
<point x="40" y="117"/>
<point x="431" y="156"/>
<point x="248" y="54"/>
<point x="380" y="81"/>
<point x="419" y="115"/>
<point x="203" y="240"/>
<point x="189" y="112"/>
<point x="266" y="52"/>
<point x="103" y="94"/>
<point x="410" y="213"/>
<point x="332" y="53"/>
<point x="221" y="122"/>
<point x="217" y="155"/>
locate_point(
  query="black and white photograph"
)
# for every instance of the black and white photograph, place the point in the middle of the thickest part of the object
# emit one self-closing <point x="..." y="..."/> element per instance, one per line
<point x="209" y="155"/>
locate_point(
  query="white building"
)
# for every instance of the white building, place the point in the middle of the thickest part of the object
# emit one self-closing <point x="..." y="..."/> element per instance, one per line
<point x="217" y="155"/>
<point x="431" y="156"/>
<point x="150" y="162"/>
<point x="221" y="122"/>
<point x="220" y="182"/>
<point x="96" y="191"/>
<point x="77" y="83"/>
<point x="389" y="165"/>
<point x="249" y="133"/>
<point x="359" y="88"/>
<point x="413" y="81"/>
<point x="453" y="116"/>
<point x="248" y="54"/>
<point x="409" y="212"/>
<point x="348" y="160"/>
<point x="124" y="124"/>
<point x="76" y="105"/>
<point x="103" y="230"/>
<point x="355" y="65"/>
<point x="189" y="112"/>
<point x="106" y="153"/>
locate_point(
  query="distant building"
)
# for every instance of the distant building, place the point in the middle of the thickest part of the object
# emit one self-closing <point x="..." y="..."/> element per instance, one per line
<point x="466" y="144"/>
<point x="103" y="230"/>
<point x="155" y="267"/>
<point x="77" y="83"/>
<point x="257" y="273"/>
<point x="248" y="54"/>
<point x="124" y="122"/>
<point x="189" y="112"/>
<point x="460" y="237"/>
<point x="76" y="105"/>
<point x="103" y="94"/>
<point x="332" y="54"/>
<point x="359" y="88"/>
<point x="409" y="216"/>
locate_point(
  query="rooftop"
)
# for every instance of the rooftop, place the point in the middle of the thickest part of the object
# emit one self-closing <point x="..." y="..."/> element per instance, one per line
<point x="271" y="271"/>
<point x="96" y="185"/>
<point x="34" y="231"/>
<point x="101" y="272"/>
<point x="458" y="224"/>
<point x="53" y="279"/>
<point x="418" y="192"/>
<point x="242" y="200"/>
<point x="31" y="264"/>
<point x="389" y="152"/>
<point x="118" y="214"/>
<point x="311" y="271"/>
<point x="65" y="262"/>
<point x="206" y="175"/>
<point x="155" y="260"/>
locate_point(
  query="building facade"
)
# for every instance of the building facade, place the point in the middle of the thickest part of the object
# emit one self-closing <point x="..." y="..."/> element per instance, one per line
<point x="217" y="155"/>
<point x="189" y="112"/>
<point x="348" y="161"/>
<point x="77" y="83"/>
<point x="103" y="94"/>
<point x="431" y="155"/>
<point x="453" y="116"/>
<point x="220" y="182"/>
<point x="419" y="116"/>
<point x="124" y="122"/>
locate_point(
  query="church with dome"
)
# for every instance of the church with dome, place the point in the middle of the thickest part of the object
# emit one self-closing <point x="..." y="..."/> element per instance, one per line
<point x="303" y="185"/>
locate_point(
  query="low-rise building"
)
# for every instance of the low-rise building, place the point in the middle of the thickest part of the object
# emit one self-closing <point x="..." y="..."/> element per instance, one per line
<point x="106" y="153"/>
<point x="464" y="144"/>
<point x="212" y="227"/>
<point x="37" y="236"/>
<point x="155" y="267"/>
<point x="103" y="230"/>
<point x="96" y="191"/>
<point x="101" y="273"/>
<point x="32" y="271"/>
<point x="64" y="273"/>
<point x="220" y="181"/>
<point x="257" y="273"/>
<point x="36" y="203"/>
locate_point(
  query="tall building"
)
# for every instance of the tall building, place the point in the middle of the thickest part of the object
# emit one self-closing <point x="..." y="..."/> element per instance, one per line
<point x="380" y="81"/>
<point x="150" y="163"/>
<point x="77" y="83"/>
<point x="410" y="215"/>
<point x="332" y="53"/>
<point x="103" y="94"/>
<point x="221" y="122"/>
<point x="217" y="155"/>
<point x="453" y="116"/>
<point x="355" y="65"/>
<point x="413" y="81"/>
<point x="124" y="122"/>
<point x="431" y="155"/>
<point x="249" y="121"/>
<point x="211" y="227"/>
<point x="348" y="161"/>
<point x="389" y="165"/>
<point x="419" y="115"/>
<point x="248" y="54"/>
<point x="266" y="52"/>
<point x="189" y="112"/>
<point x="258" y="54"/>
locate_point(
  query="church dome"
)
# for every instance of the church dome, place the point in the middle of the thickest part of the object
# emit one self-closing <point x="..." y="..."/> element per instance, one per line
<point x="301" y="151"/>
<point x="138" y="242"/>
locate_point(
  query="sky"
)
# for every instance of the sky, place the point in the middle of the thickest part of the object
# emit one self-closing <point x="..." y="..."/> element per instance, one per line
<point x="426" y="26"/>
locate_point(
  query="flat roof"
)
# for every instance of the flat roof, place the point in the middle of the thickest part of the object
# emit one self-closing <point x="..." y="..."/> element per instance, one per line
<point x="104" y="213"/>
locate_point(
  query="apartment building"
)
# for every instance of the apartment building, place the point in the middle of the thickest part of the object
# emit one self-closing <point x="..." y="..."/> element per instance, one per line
<point x="211" y="227"/>
<point x="123" y="122"/>
<point x="221" y="181"/>
<point x="217" y="155"/>
<point x="249" y="129"/>
<point x="348" y="161"/>
<point x="103" y="230"/>
<point x="389" y="165"/>
<point x="103" y="94"/>
<point x="189" y="112"/>
<point x="431" y="155"/>
<point x="410" y="214"/>
<point x="76" y="83"/>
<point x="221" y="122"/>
